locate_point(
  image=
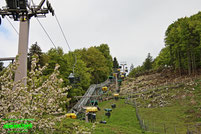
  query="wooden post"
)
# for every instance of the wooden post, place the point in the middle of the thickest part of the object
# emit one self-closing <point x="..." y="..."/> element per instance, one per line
<point x="86" y="117"/>
<point x="164" y="128"/>
<point x="187" y="129"/>
<point x="143" y="125"/>
<point x="175" y="130"/>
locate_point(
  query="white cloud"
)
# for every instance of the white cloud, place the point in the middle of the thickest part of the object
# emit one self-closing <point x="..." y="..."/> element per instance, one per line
<point x="131" y="28"/>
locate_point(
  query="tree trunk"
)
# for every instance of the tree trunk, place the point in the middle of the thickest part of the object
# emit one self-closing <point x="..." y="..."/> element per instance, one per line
<point x="193" y="63"/>
<point x="171" y="57"/>
<point x="179" y="60"/>
<point x="189" y="61"/>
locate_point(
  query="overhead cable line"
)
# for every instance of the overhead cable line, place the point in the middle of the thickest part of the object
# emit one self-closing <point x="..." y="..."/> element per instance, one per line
<point x="62" y="32"/>
<point x="43" y="27"/>
<point x="12" y="26"/>
<point x="33" y="4"/>
<point x="46" y="32"/>
<point x="67" y="42"/>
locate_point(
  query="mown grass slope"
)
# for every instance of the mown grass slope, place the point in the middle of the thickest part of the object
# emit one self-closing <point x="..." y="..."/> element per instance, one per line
<point x="123" y="119"/>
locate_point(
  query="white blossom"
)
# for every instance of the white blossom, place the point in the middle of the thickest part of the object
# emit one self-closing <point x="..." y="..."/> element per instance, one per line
<point x="33" y="101"/>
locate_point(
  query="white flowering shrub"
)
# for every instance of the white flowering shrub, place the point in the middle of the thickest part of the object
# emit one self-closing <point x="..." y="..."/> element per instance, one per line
<point x="41" y="99"/>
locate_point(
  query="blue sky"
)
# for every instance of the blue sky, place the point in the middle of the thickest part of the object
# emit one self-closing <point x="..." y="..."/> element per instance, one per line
<point x="4" y="31"/>
<point x="132" y="28"/>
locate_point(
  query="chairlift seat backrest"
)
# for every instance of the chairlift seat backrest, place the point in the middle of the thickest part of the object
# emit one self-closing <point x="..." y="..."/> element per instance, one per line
<point x="120" y="80"/>
<point x="104" y="88"/>
<point x="111" y="77"/>
<point x="16" y="4"/>
<point x="22" y="4"/>
<point x="12" y="4"/>
<point x="71" y="115"/>
<point x="108" y="110"/>
<point x="113" y="105"/>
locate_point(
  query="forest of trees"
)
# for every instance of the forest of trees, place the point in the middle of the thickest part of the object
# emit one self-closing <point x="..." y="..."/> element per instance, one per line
<point x="49" y="91"/>
<point x="92" y="65"/>
<point x="182" y="51"/>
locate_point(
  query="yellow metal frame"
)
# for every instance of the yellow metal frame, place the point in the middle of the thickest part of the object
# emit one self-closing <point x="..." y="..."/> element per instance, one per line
<point x="71" y="115"/>
<point x="91" y="109"/>
<point x="116" y="95"/>
<point x="104" y="88"/>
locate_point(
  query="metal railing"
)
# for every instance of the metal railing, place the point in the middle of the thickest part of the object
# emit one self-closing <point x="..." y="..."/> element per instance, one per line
<point x="84" y="100"/>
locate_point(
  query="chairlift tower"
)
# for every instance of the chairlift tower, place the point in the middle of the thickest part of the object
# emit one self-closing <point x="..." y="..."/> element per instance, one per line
<point x="123" y="64"/>
<point x="20" y="10"/>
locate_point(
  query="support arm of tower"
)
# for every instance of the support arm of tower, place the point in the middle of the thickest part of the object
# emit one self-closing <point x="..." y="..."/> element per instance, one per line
<point x="7" y="58"/>
<point x="40" y="5"/>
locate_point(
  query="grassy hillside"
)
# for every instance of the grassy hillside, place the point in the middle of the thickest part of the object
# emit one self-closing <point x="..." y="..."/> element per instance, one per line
<point x="122" y="121"/>
<point x="167" y="102"/>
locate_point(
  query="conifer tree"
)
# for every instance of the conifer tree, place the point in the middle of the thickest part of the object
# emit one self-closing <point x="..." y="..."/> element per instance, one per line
<point x="1" y="66"/>
<point x="148" y="62"/>
<point x="115" y="63"/>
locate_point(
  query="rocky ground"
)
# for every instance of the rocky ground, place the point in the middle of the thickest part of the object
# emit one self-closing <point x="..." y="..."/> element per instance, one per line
<point x="159" y="89"/>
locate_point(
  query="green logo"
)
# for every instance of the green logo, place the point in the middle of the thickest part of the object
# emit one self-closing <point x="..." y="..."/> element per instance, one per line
<point x="13" y="125"/>
<point x="20" y="127"/>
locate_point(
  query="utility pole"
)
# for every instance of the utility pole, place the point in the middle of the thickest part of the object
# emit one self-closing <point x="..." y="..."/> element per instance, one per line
<point x="20" y="10"/>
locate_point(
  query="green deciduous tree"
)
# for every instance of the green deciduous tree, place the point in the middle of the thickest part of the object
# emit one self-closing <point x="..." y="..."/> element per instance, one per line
<point x="182" y="50"/>
<point x="105" y="50"/>
<point x="183" y="42"/>
<point x="163" y="59"/>
<point x="67" y="62"/>
<point x="136" y="71"/>
<point x="80" y="70"/>
<point x="97" y="64"/>
<point x="55" y="56"/>
<point x="92" y="65"/>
